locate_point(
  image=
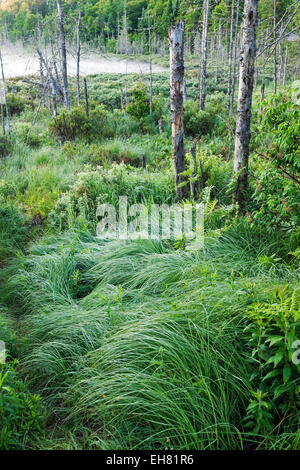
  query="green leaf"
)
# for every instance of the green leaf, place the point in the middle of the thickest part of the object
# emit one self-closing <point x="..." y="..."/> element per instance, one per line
<point x="273" y="373"/>
<point x="286" y="373"/>
<point x="274" y="339"/>
<point x="276" y="359"/>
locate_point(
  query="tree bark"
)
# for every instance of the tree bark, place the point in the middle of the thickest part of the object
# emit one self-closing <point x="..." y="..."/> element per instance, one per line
<point x="275" y="49"/>
<point x="285" y="66"/>
<point x="86" y="96"/>
<point x="229" y="79"/>
<point x="235" y="56"/>
<point x="204" y="53"/>
<point x="262" y="97"/>
<point x="63" y="54"/>
<point x="244" y="107"/>
<point x="5" y="96"/>
<point x="53" y="91"/>
<point x="151" y="86"/>
<point x="176" y="41"/>
<point x="78" y="56"/>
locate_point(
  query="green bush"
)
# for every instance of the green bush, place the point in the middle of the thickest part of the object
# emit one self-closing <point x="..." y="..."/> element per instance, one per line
<point x="74" y="124"/>
<point x="197" y="123"/>
<point x="272" y="333"/>
<point x="275" y="200"/>
<point x="140" y="105"/>
<point x="34" y="137"/>
<point x="5" y="146"/>
<point x="17" y="104"/>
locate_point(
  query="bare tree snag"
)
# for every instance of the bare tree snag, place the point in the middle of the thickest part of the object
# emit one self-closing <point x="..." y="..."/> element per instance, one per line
<point x="151" y="87"/>
<point x="86" y="97"/>
<point x="78" y="56"/>
<point x="229" y="78"/>
<point x="275" y="49"/>
<point x="235" y="56"/>
<point x="2" y="118"/>
<point x="262" y="97"/>
<point x="285" y="66"/>
<point x="5" y="95"/>
<point x="244" y="106"/>
<point x="176" y="42"/>
<point x="52" y="79"/>
<point x="63" y="53"/>
<point x="52" y="85"/>
<point x="204" y="53"/>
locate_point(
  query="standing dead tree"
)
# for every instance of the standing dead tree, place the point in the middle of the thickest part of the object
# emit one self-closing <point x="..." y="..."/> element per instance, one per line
<point x="176" y="42"/>
<point x="63" y="53"/>
<point x="78" y="56"/>
<point x="235" y="56"/>
<point x="229" y="78"/>
<point x="204" y="53"/>
<point x="275" y="48"/>
<point x="49" y="72"/>
<point x="5" y="98"/>
<point x="244" y="106"/>
<point x="86" y="97"/>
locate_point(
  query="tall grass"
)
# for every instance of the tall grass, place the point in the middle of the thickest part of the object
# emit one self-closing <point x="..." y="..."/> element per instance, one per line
<point x="141" y="343"/>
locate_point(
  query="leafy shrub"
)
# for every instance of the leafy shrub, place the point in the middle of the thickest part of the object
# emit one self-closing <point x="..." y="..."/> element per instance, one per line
<point x="21" y="414"/>
<point x="140" y="105"/>
<point x="212" y="172"/>
<point x="272" y="332"/>
<point x="70" y="125"/>
<point x="35" y="138"/>
<point x="17" y="104"/>
<point x="5" y="146"/>
<point x="276" y="197"/>
<point x="197" y="123"/>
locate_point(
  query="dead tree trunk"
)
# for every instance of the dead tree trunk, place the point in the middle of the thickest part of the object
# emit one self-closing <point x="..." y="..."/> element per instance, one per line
<point x="275" y="48"/>
<point x="244" y="106"/>
<point x="39" y="43"/>
<point x="151" y="87"/>
<point x="5" y="96"/>
<point x="285" y="66"/>
<point x="63" y="53"/>
<point x="235" y="55"/>
<point x="86" y="96"/>
<point x="78" y="56"/>
<point x="53" y="91"/>
<point x="204" y="53"/>
<point x="176" y="41"/>
<point x="262" y="97"/>
<point x="229" y="79"/>
<point x="2" y="117"/>
<point x="56" y="84"/>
